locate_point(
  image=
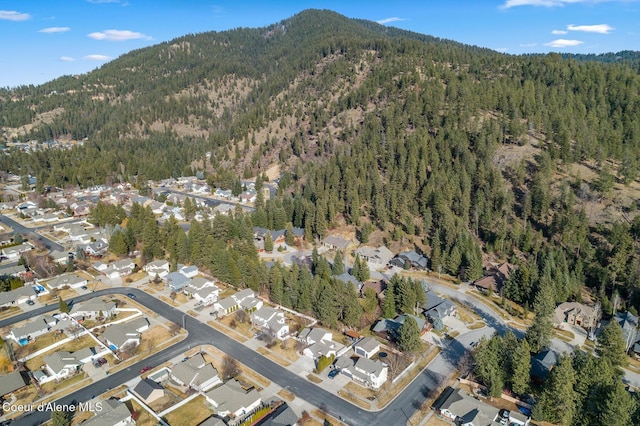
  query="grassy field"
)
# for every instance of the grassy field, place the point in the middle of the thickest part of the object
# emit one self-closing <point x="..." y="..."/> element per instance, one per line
<point x="267" y="353"/>
<point x="191" y="413"/>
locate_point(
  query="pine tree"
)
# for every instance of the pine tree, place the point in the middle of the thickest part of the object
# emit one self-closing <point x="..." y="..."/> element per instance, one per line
<point x="268" y="242"/>
<point x="409" y="335"/>
<point x="63" y="306"/>
<point x="289" y="236"/>
<point x="540" y="332"/>
<point x="521" y="364"/>
<point x="611" y="345"/>
<point x="60" y="418"/>
<point x="389" y="303"/>
<point x="338" y="264"/>
<point x="557" y="404"/>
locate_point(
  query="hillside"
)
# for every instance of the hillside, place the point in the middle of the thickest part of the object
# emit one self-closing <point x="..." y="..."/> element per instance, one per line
<point x="395" y="135"/>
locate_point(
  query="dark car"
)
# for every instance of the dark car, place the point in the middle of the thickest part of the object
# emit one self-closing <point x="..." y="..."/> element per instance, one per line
<point x="131" y="295"/>
<point x="145" y="369"/>
<point x="84" y="287"/>
<point x="30" y="302"/>
<point x="504" y="417"/>
<point x="333" y="373"/>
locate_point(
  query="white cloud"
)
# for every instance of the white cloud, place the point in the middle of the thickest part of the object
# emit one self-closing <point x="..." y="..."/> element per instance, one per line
<point x="118" y="35"/>
<point x="548" y="3"/>
<point x="12" y="15"/>
<point x="52" y="30"/>
<point x="563" y="43"/>
<point x="389" y="20"/>
<point x="66" y="59"/>
<point x="528" y="44"/>
<point x="600" y="28"/>
<point x="559" y="32"/>
<point x="97" y="57"/>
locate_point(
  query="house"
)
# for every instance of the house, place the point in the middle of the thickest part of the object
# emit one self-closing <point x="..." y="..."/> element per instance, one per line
<point x="177" y="281"/>
<point x="313" y="335"/>
<point x="376" y="258"/>
<point x="462" y="409"/>
<point x="158" y="268"/>
<point x="410" y="260"/>
<point x="347" y="278"/>
<point x="326" y="348"/>
<point x="282" y="416"/>
<point x="112" y="413"/>
<point x="120" y="268"/>
<point x="148" y="390"/>
<point x="225" y="306"/>
<point x="629" y="324"/>
<point x="378" y="287"/>
<point x="370" y="373"/>
<point x="118" y="336"/>
<point x="62" y="364"/>
<point x="17" y="296"/>
<point x="243" y="294"/>
<point x="188" y="271"/>
<point x="138" y="325"/>
<point x="436" y="309"/>
<point x="333" y="242"/>
<point x="251" y="304"/>
<point x="30" y="330"/>
<point x="11" y="382"/>
<point x="575" y="313"/>
<point x="60" y="257"/>
<point x="13" y="271"/>
<point x="232" y="400"/>
<point x="199" y="283"/>
<point x="190" y="374"/>
<point x="207" y="295"/>
<point x="96" y="248"/>
<point x="94" y="308"/>
<point x="366" y="347"/>
<point x="541" y="365"/>
<point x="271" y="321"/>
<point x="14" y="252"/>
<point x="71" y="280"/>
<point x="388" y="329"/>
<point x="495" y="277"/>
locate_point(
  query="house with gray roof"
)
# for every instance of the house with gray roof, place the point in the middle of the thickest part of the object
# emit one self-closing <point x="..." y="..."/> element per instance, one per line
<point x="376" y="257"/>
<point x="149" y="390"/>
<point x="207" y="295"/>
<point x="231" y="399"/>
<point x="200" y="378"/>
<point x="17" y="296"/>
<point x="436" y="309"/>
<point x="30" y="330"/>
<point x="271" y="321"/>
<point x="14" y="252"/>
<point x="388" y="329"/>
<point x="282" y="416"/>
<point x="93" y="308"/>
<point x="177" y="281"/>
<point x="113" y="413"/>
<point x="225" y="306"/>
<point x="62" y="364"/>
<point x="333" y="242"/>
<point x="367" y="347"/>
<point x="629" y="324"/>
<point x="370" y="373"/>
<point x="314" y="334"/>
<point x="72" y="280"/>
<point x="12" y="270"/>
<point x="541" y="365"/>
<point x="12" y="382"/>
<point x="460" y="408"/>
<point x="118" y="336"/>
<point x="412" y="259"/>
<point x="157" y="267"/>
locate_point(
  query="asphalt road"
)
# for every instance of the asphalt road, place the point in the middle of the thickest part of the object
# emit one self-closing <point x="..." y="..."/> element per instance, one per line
<point x="201" y="334"/>
<point x="30" y="233"/>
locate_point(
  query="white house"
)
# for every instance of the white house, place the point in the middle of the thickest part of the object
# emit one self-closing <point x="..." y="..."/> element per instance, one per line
<point x="30" y="330"/>
<point x="158" y="268"/>
<point x="14" y="252"/>
<point x="225" y="306"/>
<point x="113" y="413"/>
<point x="271" y="321"/>
<point x="207" y="295"/>
<point x="231" y="399"/>
<point x="310" y="336"/>
<point x="243" y="294"/>
<point x="72" y="280"/>
<point x="17" y="296"/>
<point x="199" y="283"/>
<point x="251" y="304"/>
<point x="120" y="268"/>
<point x="370" y="373"/>
<point x="93" y="308"/>
<point x="376" y="257"/>
<point x="195" y="373"/>
<point x="118" y="336"/>
<point x="366" y="347"/>
<point x="60" y="365"/>
<point x="320" y="343"/>
<point x="188" y="271"/>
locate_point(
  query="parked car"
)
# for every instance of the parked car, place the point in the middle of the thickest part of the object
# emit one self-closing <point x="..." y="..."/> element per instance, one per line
<point x="30" y="302"/>
<point x="333" y="373"/>
<point x="84" y="287"/>
<point x="131" y="295"/>
<point x="145" y="369"/>
<point x="102" y="361"/>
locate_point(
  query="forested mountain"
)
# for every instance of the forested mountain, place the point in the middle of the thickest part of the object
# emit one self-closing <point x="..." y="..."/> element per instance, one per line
<point x="375" y="128"/>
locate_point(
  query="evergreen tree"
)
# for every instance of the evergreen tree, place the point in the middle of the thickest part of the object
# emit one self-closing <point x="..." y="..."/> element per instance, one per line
<point x="521" y="363"/>
<point x="409" y="335"/>
<point x="60" y="418"/>
<point x="338" y="264"/>
<point x="540" y="332"/>
<point x="389" y="304"/>
<point x="289" y="236"/>
<point x="268" y="242"/>
<point x="63" y="306"/>
<point x="611" y="345"/>
<point x="360" y="270"/>
<point x="557" y="404"/>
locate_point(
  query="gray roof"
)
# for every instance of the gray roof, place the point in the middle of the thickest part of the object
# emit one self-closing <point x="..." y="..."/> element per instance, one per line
<point x="283" y="416"/>
<point x="344" y="362"/>
<point x="542" y="363"/>
<point x="213" y="420"/>
<point x="200" y="283"/>
<point x="231" y="396"/>
<point x="66" y="279"/>
<point x="177" y="280"/>
<point x="37" y="326"/>
<point x="135" y="324"/>
<point x="117" y="334"/>
<point x="196" y="361"/>
<point x="433" y="300"/>
<point x="190" y="375"/>
<point x="146" y="387"/>
<point x="469" y="409"/>
<point x="314" y="334"/>
<point x="371" y="367"/>
<point x="368" y="344"/>
<point x="57" y="361"/>
<point x="13" y="295"/>
<point x="11" y="382"/>
<point x="113" y="412"/>
<point x="94" y="305"/>
<point x="629" y="324"/>
<point x="227" y="303"/>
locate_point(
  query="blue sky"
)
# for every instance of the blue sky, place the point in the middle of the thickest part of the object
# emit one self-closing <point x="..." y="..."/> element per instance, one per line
<point x="44" y="39"/>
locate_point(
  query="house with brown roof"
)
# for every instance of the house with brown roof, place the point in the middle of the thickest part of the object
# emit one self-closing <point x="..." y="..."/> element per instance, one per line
<point x="575" y="313"/>
<point x="495" y="277"/>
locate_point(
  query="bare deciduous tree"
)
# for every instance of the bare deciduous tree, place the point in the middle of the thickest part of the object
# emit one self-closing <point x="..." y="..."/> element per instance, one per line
<point x="230" y="367"/>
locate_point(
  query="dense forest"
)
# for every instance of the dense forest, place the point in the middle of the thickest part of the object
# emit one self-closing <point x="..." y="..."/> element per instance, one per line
<point x="374" y="128"/>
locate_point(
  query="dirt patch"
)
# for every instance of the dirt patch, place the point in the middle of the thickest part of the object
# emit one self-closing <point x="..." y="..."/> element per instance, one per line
<point x="267" y="353"/>
<point x="285" y="394"/>
<point x="313" y="378"/>
<point x="352" y="398"/>
<point x="229" y="332"/>
<point x="191" y="413"/>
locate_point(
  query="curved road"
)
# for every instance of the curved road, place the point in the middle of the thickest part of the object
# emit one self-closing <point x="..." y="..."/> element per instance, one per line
<point x="30" y="233"/>
<point x="200" y="334"/>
